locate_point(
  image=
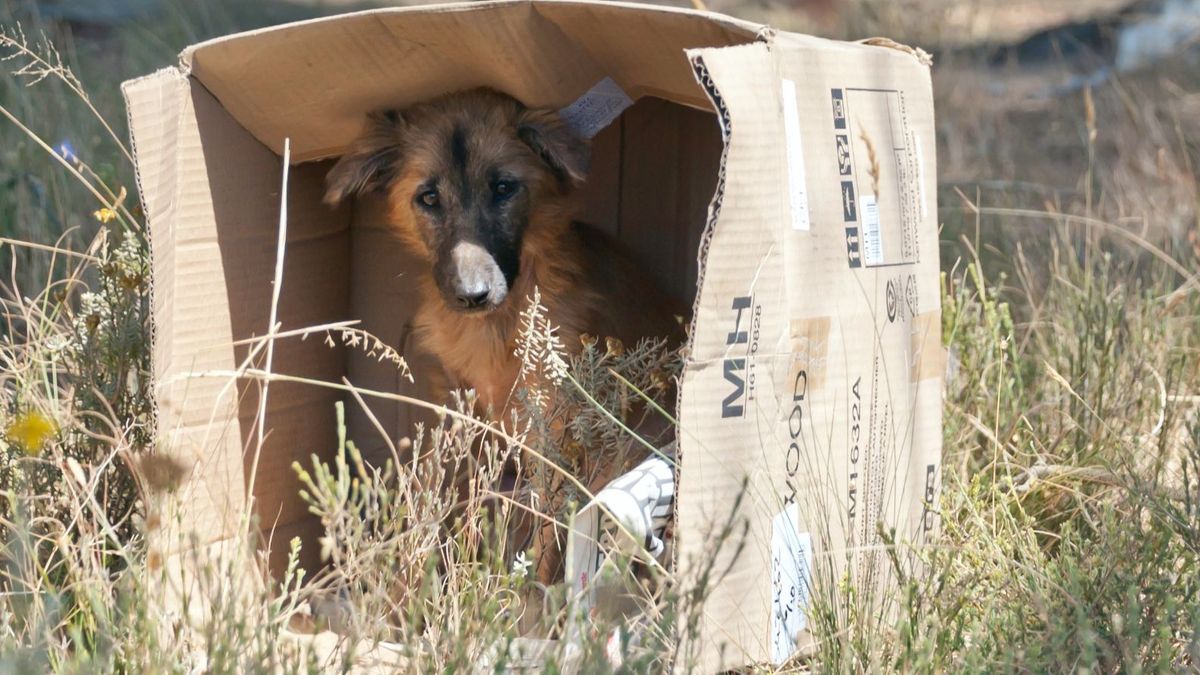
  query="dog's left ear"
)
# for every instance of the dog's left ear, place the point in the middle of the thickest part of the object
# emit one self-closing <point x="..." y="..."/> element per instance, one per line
<point x="370" y="164"/>
<point x="564" y="152"/>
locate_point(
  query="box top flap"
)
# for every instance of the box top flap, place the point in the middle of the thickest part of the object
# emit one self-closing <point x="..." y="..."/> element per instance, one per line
<point x="314" y="81"/>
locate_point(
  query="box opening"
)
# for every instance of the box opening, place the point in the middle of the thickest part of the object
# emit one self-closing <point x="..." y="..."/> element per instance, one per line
<point x="652" y="175"/>
<point x="224" y="115"/>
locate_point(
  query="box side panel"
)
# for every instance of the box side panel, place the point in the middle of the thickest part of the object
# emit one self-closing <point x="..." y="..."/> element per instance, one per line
<point x="244" y="180"/>
<point x="213" y="214"/>
<point x="669" y="162"/>
<point x="815" y="372"/>
<point x="736" y="318"/>
<point x="600" y="195"/>
<point x="863" y="428"/>
<point x="166" y="142"/>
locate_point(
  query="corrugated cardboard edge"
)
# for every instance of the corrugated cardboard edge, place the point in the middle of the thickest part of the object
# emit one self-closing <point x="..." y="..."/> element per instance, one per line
<point x="763" y="33"/>
<point x="923" y="57"/>
<point x="162" y="76"/>
<point x="751" y="28"/>
<point x="714" y="207"/>
<point x="717" y="223"/>
<point x="183" y="556"/>
<point x="724" y="122"/>
<point x="159" y="79"/>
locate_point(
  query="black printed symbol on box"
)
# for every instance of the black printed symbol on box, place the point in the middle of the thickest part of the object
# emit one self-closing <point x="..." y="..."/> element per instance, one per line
<point x="734" y="404"/>
<point x="839" y="109"/>
<point x="849" y="206"/>
<point x="910" y="294"/>
<point x="853" y="252"/>
<point x="892" y="304"/>
<point x="843" y="154"/>
<point x="929" y="511"/>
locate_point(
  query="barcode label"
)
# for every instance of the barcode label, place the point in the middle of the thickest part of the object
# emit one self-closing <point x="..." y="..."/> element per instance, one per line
<point x="872" y="237"/>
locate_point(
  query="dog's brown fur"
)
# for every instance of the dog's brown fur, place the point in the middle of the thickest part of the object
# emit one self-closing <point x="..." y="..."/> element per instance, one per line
<point x="585" y="282"/>
<point x="459" y="147"/>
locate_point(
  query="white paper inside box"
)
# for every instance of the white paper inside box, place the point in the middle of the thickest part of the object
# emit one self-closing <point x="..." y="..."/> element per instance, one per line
<point x="703" y="179"/>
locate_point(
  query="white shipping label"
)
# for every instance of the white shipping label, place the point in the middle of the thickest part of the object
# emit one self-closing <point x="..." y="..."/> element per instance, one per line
<point x="797" y="183"/>
<point x="596" y="109"/>
<point x="872" y="236"/>
<point x="791" y="574"/>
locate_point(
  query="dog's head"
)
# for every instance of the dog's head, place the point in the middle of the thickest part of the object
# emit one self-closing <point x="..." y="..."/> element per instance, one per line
<point x="466" y="176"/>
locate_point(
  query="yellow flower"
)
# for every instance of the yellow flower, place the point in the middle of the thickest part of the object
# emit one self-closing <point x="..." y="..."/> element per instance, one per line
<point x="105" y="215"/>
<point x="31" y="431"/>
<point x="614" y="347"/>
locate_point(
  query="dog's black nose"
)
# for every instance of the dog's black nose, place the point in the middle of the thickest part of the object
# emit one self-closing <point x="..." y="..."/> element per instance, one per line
<point x="472" y="300"/>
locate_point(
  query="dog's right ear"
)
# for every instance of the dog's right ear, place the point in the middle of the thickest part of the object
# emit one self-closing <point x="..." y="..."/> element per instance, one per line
<point x="560" y="148"/>
<point x="371" y="163"/>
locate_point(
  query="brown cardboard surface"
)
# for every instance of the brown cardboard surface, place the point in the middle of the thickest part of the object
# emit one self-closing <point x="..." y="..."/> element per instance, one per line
<point x="313" y="80"/>
<point x="212" y="210"/>
<point x="163" y="124"/>
<point x="853" y="444"/>
<point x="812" y="390"/>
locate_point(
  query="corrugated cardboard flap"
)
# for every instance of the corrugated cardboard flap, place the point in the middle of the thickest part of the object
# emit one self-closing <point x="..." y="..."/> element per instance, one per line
<point x="313" y="81"/>
<point x="171" y="183"/>
<point x="211" y="194"/>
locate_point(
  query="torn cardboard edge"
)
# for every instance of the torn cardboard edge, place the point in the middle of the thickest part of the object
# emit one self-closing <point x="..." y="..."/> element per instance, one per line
<point x="923" y="57"/>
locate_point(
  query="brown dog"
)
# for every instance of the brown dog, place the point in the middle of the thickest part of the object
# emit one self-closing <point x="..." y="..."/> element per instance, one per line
<point x="482" y="188"/>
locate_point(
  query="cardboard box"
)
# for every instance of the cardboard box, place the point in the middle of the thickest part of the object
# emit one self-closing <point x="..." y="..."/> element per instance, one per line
<point x="784" y="184"/>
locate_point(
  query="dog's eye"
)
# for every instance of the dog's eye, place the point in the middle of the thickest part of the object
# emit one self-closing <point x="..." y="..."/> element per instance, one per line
<point x="505" y="189"/>
<point x="429" y="198"/>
